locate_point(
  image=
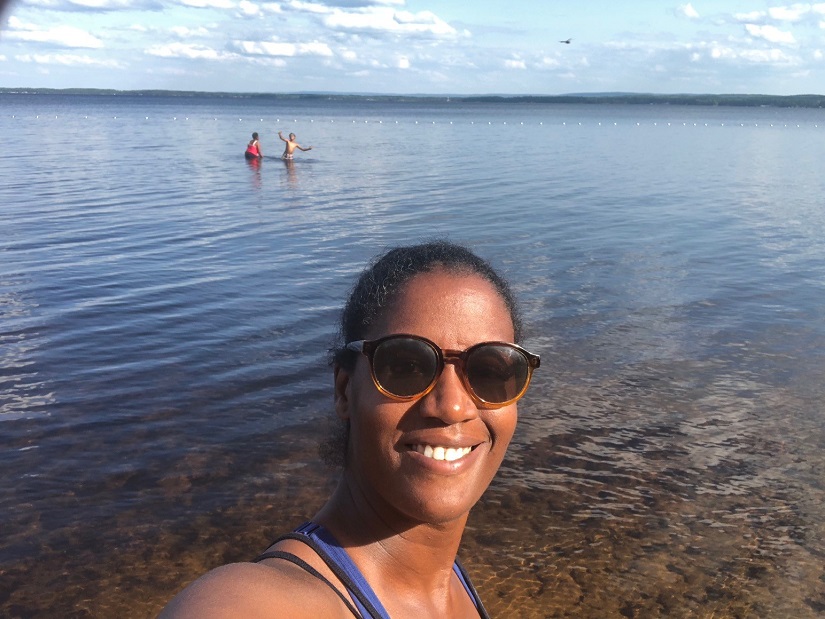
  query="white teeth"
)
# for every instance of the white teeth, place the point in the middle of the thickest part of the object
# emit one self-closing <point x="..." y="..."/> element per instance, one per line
<point x="442" y="453"/>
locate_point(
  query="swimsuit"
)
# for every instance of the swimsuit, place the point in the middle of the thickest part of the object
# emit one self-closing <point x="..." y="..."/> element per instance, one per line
<point x="367" y="605"/>
<point x="286" y="156"/>
<point x="252" y="151"/>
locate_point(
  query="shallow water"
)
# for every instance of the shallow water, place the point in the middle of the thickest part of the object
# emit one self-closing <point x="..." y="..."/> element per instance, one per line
<point x="166" y="309"/>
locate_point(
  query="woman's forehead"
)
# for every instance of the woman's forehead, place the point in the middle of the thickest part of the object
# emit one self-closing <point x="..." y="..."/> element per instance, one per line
<point x="446" y="302"/>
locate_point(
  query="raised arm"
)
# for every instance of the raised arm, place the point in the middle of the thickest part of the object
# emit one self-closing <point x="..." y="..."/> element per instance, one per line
<point x="280" y="135"/>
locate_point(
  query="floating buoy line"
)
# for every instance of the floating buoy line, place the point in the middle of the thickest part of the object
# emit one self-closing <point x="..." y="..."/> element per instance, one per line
<point x="560" y="123"/>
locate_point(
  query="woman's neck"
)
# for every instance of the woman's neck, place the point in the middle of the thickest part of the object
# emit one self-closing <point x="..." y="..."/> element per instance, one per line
<point x="388" y="545"/>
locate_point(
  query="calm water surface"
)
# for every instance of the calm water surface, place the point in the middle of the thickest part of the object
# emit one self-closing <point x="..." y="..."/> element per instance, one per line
<point x="165" y="311"/>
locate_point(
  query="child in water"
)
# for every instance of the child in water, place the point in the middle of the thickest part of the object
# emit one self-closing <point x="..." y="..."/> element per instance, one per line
<point x="291" y="145"/>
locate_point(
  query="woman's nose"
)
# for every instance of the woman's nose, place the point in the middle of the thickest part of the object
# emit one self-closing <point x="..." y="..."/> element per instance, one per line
<point x="449" y="400"/>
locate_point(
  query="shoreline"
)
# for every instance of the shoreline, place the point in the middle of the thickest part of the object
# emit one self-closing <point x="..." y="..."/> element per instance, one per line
<point x="707" y="100"/>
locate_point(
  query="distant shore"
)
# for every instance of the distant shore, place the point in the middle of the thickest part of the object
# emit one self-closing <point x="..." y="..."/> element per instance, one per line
<point x="801" y="101"/>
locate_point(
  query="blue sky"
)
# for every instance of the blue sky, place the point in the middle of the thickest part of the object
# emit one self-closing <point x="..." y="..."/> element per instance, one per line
<point x="416" y="46"/>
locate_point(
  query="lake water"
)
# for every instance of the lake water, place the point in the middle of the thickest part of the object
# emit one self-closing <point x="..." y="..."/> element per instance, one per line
<point x="166" y="307"/>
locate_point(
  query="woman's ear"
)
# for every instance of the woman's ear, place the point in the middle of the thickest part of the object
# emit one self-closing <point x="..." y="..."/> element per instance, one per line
<point x="342" y="392"/>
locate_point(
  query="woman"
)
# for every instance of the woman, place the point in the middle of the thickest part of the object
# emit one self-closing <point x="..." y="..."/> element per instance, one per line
<point x="253" y="149"/>
<point x="426" y="383"/>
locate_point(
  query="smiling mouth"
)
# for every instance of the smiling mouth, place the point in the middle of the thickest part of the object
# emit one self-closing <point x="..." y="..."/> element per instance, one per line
<point x="442" y="453"/>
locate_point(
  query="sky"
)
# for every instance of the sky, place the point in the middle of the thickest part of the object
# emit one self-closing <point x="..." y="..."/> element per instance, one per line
<point x="458" y="47"/>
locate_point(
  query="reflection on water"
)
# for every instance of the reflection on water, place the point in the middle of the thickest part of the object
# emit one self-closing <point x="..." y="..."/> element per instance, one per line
<point x="166" y="310"/>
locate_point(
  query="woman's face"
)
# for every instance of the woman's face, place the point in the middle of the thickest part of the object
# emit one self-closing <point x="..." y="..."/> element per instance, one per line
<point x="387" y="437"/>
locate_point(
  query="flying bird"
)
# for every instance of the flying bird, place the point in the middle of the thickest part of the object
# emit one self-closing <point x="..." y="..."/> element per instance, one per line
<point x="567" y="41"/>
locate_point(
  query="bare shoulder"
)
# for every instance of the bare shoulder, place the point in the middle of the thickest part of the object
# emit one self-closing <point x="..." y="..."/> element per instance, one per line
<point x="256" y="591"/>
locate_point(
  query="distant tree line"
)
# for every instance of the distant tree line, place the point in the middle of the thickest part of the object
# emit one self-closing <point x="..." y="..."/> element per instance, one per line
<point x="746" y="100"/>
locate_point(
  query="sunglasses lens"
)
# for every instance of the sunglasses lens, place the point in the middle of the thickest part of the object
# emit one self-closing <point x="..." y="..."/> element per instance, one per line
<point x="404" y="367"/>
<point x="497" y="373"/>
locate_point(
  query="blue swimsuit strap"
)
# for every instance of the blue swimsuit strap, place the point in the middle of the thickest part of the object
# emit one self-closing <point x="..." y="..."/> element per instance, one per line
<point x="464" y="577"/>
<point x="288" y="556"/>
<point x="337" y="559"/>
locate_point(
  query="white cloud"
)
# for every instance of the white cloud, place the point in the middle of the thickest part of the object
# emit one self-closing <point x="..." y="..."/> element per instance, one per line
<point x="380" y="19"/>
<point x="752" y="17"/>
<point x="68" y="60"/>
<point x="94" y="5"/>
<point x="184" y="32"/>
<point x="249" y="8"/>
<point x="208" y="4"/>
<point x="772" y="34"/>
<point x="688" y="11"/>
<point x="754" y="56"/>
<point x="308" y="7"/>
<point x="789" y="13"/>
<point x="274" y="48"/>
<point x="770" y="56"/>
<point x="403" y="63"/>
<point x="183" y="50"/>
<point x="515" y="64"/>
<point x="65" y="36"/>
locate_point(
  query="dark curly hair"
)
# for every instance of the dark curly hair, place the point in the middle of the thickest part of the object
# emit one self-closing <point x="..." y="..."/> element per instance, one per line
<point x="382" y="281"/>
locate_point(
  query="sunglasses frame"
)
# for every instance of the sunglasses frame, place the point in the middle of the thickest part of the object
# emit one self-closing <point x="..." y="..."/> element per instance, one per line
<point x="444" y="356"/>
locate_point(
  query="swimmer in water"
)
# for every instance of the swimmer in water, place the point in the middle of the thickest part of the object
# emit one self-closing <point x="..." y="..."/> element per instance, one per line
<point x="291" y="145"/>
<point x="253" y="149"/>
